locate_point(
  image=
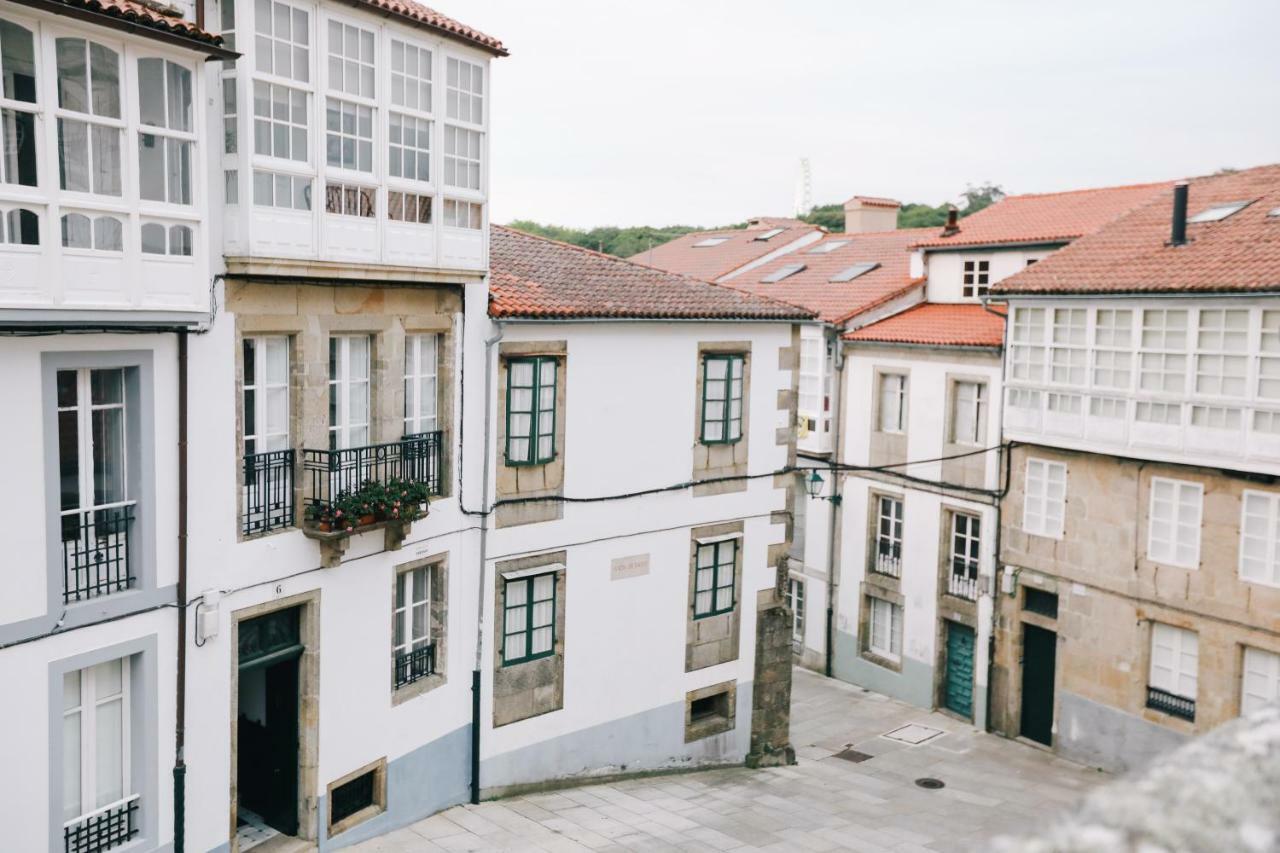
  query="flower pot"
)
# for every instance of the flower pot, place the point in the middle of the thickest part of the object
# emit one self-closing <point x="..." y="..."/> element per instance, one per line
<point x="324" y="526"/>
<point x="366" y="520"/>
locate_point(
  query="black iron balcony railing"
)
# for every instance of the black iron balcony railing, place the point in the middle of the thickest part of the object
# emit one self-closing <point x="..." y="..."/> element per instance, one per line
<point x="110" y="826"/>
<point x="96" y="558"/>
<point x="268" y="491"/>
<point x="1171" y="703"/>
<point x="962" y="582"/>
<point x="419" y="663"/>
<point x="330" y="473"/>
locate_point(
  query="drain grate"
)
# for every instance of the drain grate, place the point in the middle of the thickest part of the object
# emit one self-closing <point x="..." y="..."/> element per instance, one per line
<point x="913" y="734"/>
<point x="852" y="755"/>
<point x="931" y="783"/>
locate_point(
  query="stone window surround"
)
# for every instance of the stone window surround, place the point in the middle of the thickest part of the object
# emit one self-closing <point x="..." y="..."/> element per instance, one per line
<point x="717" y="724"/>
<point x="868" y="591"/>
<point x="143" y="723"/>
<point x="308" y="708"/>
<point x="140" y="421"/>
<point x="984" y="417"/>
<point x="438" y="564"/>
<point x="721" y="630"/>
<point x="308" y="383"/>
<point x="726" y="459"/>
<point x="379" y="769"/>
<point x="877" y="379"/>
<point x="544" y="479"/>
<point x="540" y="679"/>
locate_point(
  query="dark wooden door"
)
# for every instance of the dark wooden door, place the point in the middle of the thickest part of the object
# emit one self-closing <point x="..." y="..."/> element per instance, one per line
<point x="958" y="686"/>
<point x="280" y="757"/>
<point x="1039" y="653"/>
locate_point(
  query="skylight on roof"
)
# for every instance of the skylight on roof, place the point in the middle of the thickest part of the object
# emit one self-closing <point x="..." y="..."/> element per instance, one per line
<point x="1220" y="211"/>
<point x="769" y="235"/>
<point x="1275" y="212"/>
<point x="709" y="242"/>
<point x="782" y="272"/>
<point x="850" y="273"/>
<point x="829" y="247"/>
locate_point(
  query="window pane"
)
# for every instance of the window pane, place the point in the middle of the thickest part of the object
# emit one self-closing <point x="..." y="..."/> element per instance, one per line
<point x="108" y="456"/>
<point x="73" y="75"/>
<point x="17" y="63"/>
<point x="71" y="763"/>
<point x="151" y="91"/>
<point x="153" y="239"/>
<point x="109" y="719"/>
<point x="104" y="66"/>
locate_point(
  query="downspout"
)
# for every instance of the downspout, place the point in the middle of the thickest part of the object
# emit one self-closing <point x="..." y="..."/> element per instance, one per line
<point x="489" y="373"/>
<point x="837" y="418"/>
<point x="1002" y="464"/>
<point x="180" y="733"/>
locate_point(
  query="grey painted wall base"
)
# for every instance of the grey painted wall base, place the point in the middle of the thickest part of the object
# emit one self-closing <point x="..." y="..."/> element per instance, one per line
<point x="648" y="741"/>
<point x="914" y="684"/>
<point x="432" y="778"/>
<point x="1101" y="736"/>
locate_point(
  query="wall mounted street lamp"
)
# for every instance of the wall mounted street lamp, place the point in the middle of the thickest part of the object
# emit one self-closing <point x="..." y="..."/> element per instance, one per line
<point x="814" y="486"/>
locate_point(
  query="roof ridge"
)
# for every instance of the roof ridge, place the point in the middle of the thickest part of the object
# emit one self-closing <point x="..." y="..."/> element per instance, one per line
<point x="1082" y="190"/>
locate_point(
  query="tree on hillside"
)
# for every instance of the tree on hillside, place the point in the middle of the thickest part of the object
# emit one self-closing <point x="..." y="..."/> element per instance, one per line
<point x="829" y="216"/>
<point x="623" y="242"/>
<point x="983" y="195"/>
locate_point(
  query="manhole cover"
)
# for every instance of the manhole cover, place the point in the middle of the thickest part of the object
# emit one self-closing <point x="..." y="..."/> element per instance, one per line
<point x="913" y="734"/>
<point x="852" y="755"/>
<point x="930" y="783"/>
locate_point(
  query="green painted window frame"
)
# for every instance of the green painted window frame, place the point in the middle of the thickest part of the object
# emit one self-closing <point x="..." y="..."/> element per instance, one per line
<point x="726" y="421"/>
<point x="535" y="435"/>
<point x="719" y="568"/>
<point x="529" y="626"/>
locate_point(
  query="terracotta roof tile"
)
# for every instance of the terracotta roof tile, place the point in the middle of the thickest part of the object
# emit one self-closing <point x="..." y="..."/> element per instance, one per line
<point x="876" y="201"/>
<point x="150" y="16"/>
<point x="1045" y="217"/>
<point x="835" y="302"/>
<point x="536" y="278"/>
<point x="1240" y="253"/>
<point x="432" y="19"/>
<point x="739" y="248"/>
<point x="936" y="324"/>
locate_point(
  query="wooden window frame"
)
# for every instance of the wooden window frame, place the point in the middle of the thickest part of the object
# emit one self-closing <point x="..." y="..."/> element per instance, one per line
<point x="727" y="420"/>
<point x="717" y="566"/>
<point x="529" y="627"/>
<point x="534" y="436"/>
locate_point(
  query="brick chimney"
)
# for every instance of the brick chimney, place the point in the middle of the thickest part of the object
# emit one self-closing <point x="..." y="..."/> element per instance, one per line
<point x="864" y="213"/>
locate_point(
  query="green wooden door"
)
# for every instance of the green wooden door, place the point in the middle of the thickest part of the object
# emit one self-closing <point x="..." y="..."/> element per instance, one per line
<point x="958" y="690"/>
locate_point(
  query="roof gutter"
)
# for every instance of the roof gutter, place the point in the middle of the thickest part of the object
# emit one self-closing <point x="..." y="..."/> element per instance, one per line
<point x="1139" y="294"/>
<point x="810" y="319"/>
<point x="996" y="348"/>
<point x="114" y="22"/>
<point x="1021" y="244"/>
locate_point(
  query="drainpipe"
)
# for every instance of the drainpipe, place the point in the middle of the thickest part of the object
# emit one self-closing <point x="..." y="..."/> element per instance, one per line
<point x="837" y="417"/>
<point x="180" y="734"/>
<point x="489" y="373"/>
<point x="1002" y="467"/>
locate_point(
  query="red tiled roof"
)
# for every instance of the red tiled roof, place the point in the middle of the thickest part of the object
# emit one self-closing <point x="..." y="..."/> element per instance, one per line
<point x="432" y="19"/>
<point x="1238" y="254"/>
<point x="739" y="248"/>
<point x="1045" y="217"/>
<point x="936" y="324"/>
<point x="145" y="15"/>
<point x="536" y="278"/>
<point x="836" y="302"/>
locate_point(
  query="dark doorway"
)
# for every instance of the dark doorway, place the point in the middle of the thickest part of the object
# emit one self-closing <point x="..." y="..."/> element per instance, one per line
<point x="957" y="693"/>
<point x="1039" y="652"/>
<point x="267" y="719"/>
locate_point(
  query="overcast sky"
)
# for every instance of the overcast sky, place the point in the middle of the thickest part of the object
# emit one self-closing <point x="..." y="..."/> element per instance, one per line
<point x="698" y="112"/>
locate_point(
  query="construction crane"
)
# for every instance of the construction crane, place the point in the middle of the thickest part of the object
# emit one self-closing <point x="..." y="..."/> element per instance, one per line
<point x="804" y="189"/>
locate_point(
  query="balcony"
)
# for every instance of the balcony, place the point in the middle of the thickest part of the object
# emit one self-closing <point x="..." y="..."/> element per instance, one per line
<point x="888" y="562"/>
<point x="102" y="829"/>
<point x="356" y="489"/>
<point x="419" y="663"/>
<point x="1171" y="704"/>
<point x="96" y="558"/>
<point x="268" y="492"/>
<point x="962" y="582"/>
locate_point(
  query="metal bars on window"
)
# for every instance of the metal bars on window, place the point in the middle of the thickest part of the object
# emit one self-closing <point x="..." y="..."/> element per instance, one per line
<point x="268" y="491"/>
<point x="419" y="663"/>
<point x="108" y="827"/>
<point x="1171" y="704"/>
<point x="722" y="383"/>
<point x="713" y="579"/>
<point x="531" y="410"/>
<point x="529" y="615"/>
<point x="95" y="551"/>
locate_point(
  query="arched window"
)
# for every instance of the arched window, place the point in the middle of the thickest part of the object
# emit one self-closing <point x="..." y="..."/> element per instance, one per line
<point x="103" y="233"/>
<point x="18" y="140"/>
<point x="20" y="227"/>
<point x="77" y="233"/>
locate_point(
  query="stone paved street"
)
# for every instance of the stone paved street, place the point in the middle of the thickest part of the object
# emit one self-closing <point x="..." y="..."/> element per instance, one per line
<point x="992" y="786"/>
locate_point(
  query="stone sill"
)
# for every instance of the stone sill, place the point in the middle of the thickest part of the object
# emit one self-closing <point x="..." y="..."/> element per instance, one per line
<point x="333" y="543"/>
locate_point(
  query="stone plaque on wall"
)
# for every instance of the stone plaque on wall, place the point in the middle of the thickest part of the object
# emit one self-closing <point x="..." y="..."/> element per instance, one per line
<point x="629" y="567"/>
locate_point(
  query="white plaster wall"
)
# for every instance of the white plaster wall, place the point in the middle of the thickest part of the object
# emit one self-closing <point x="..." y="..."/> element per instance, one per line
<point x="631" y="408"/>
<point x="25" y="561"/>
<point x="946" y="269"/>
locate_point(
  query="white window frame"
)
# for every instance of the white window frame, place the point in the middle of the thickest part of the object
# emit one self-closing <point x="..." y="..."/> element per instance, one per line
<point x="889" y="563"/>
<point x="891" y="405"/>
<point x="1163" y="352"/>
<point x="172" y="138"/>
<point x="119" y="124"/>
<point x="421" y="414"/>
<point x="86" y="449"/>
<point x="293" y="46"/>
<point x="1175" y="660"/>
<point x="1026" y="351"/>
<point x="359" y="64"/>
<point x="968" y="395"/>
<point x="346" y="433"/>
<point x="1260" y="522"/>
<point x="795" y="600"/>
<point x="463" y="158"/>
<point x="1222" y="353"/>
<point x="87" y="710"/>
<point x="265" y="435"/>
<point x="1113" y="349"/>
<point x="1179" y="545"/>
<point x="404" y="607"/>
<point x="289" y="124"/>
<point x="34" y="108"/>
<point x="881" y="610"/>
<point x="1043" y="514"/>
<point x="1259" y="679"/>
<point x="1068" y="350"/>
<point x="472" y="94"/>
<point x="1268" y="369"/>
<point x="965" y="548"/>
<point x="469" y="213"/>
<point x="975" y="277"/>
